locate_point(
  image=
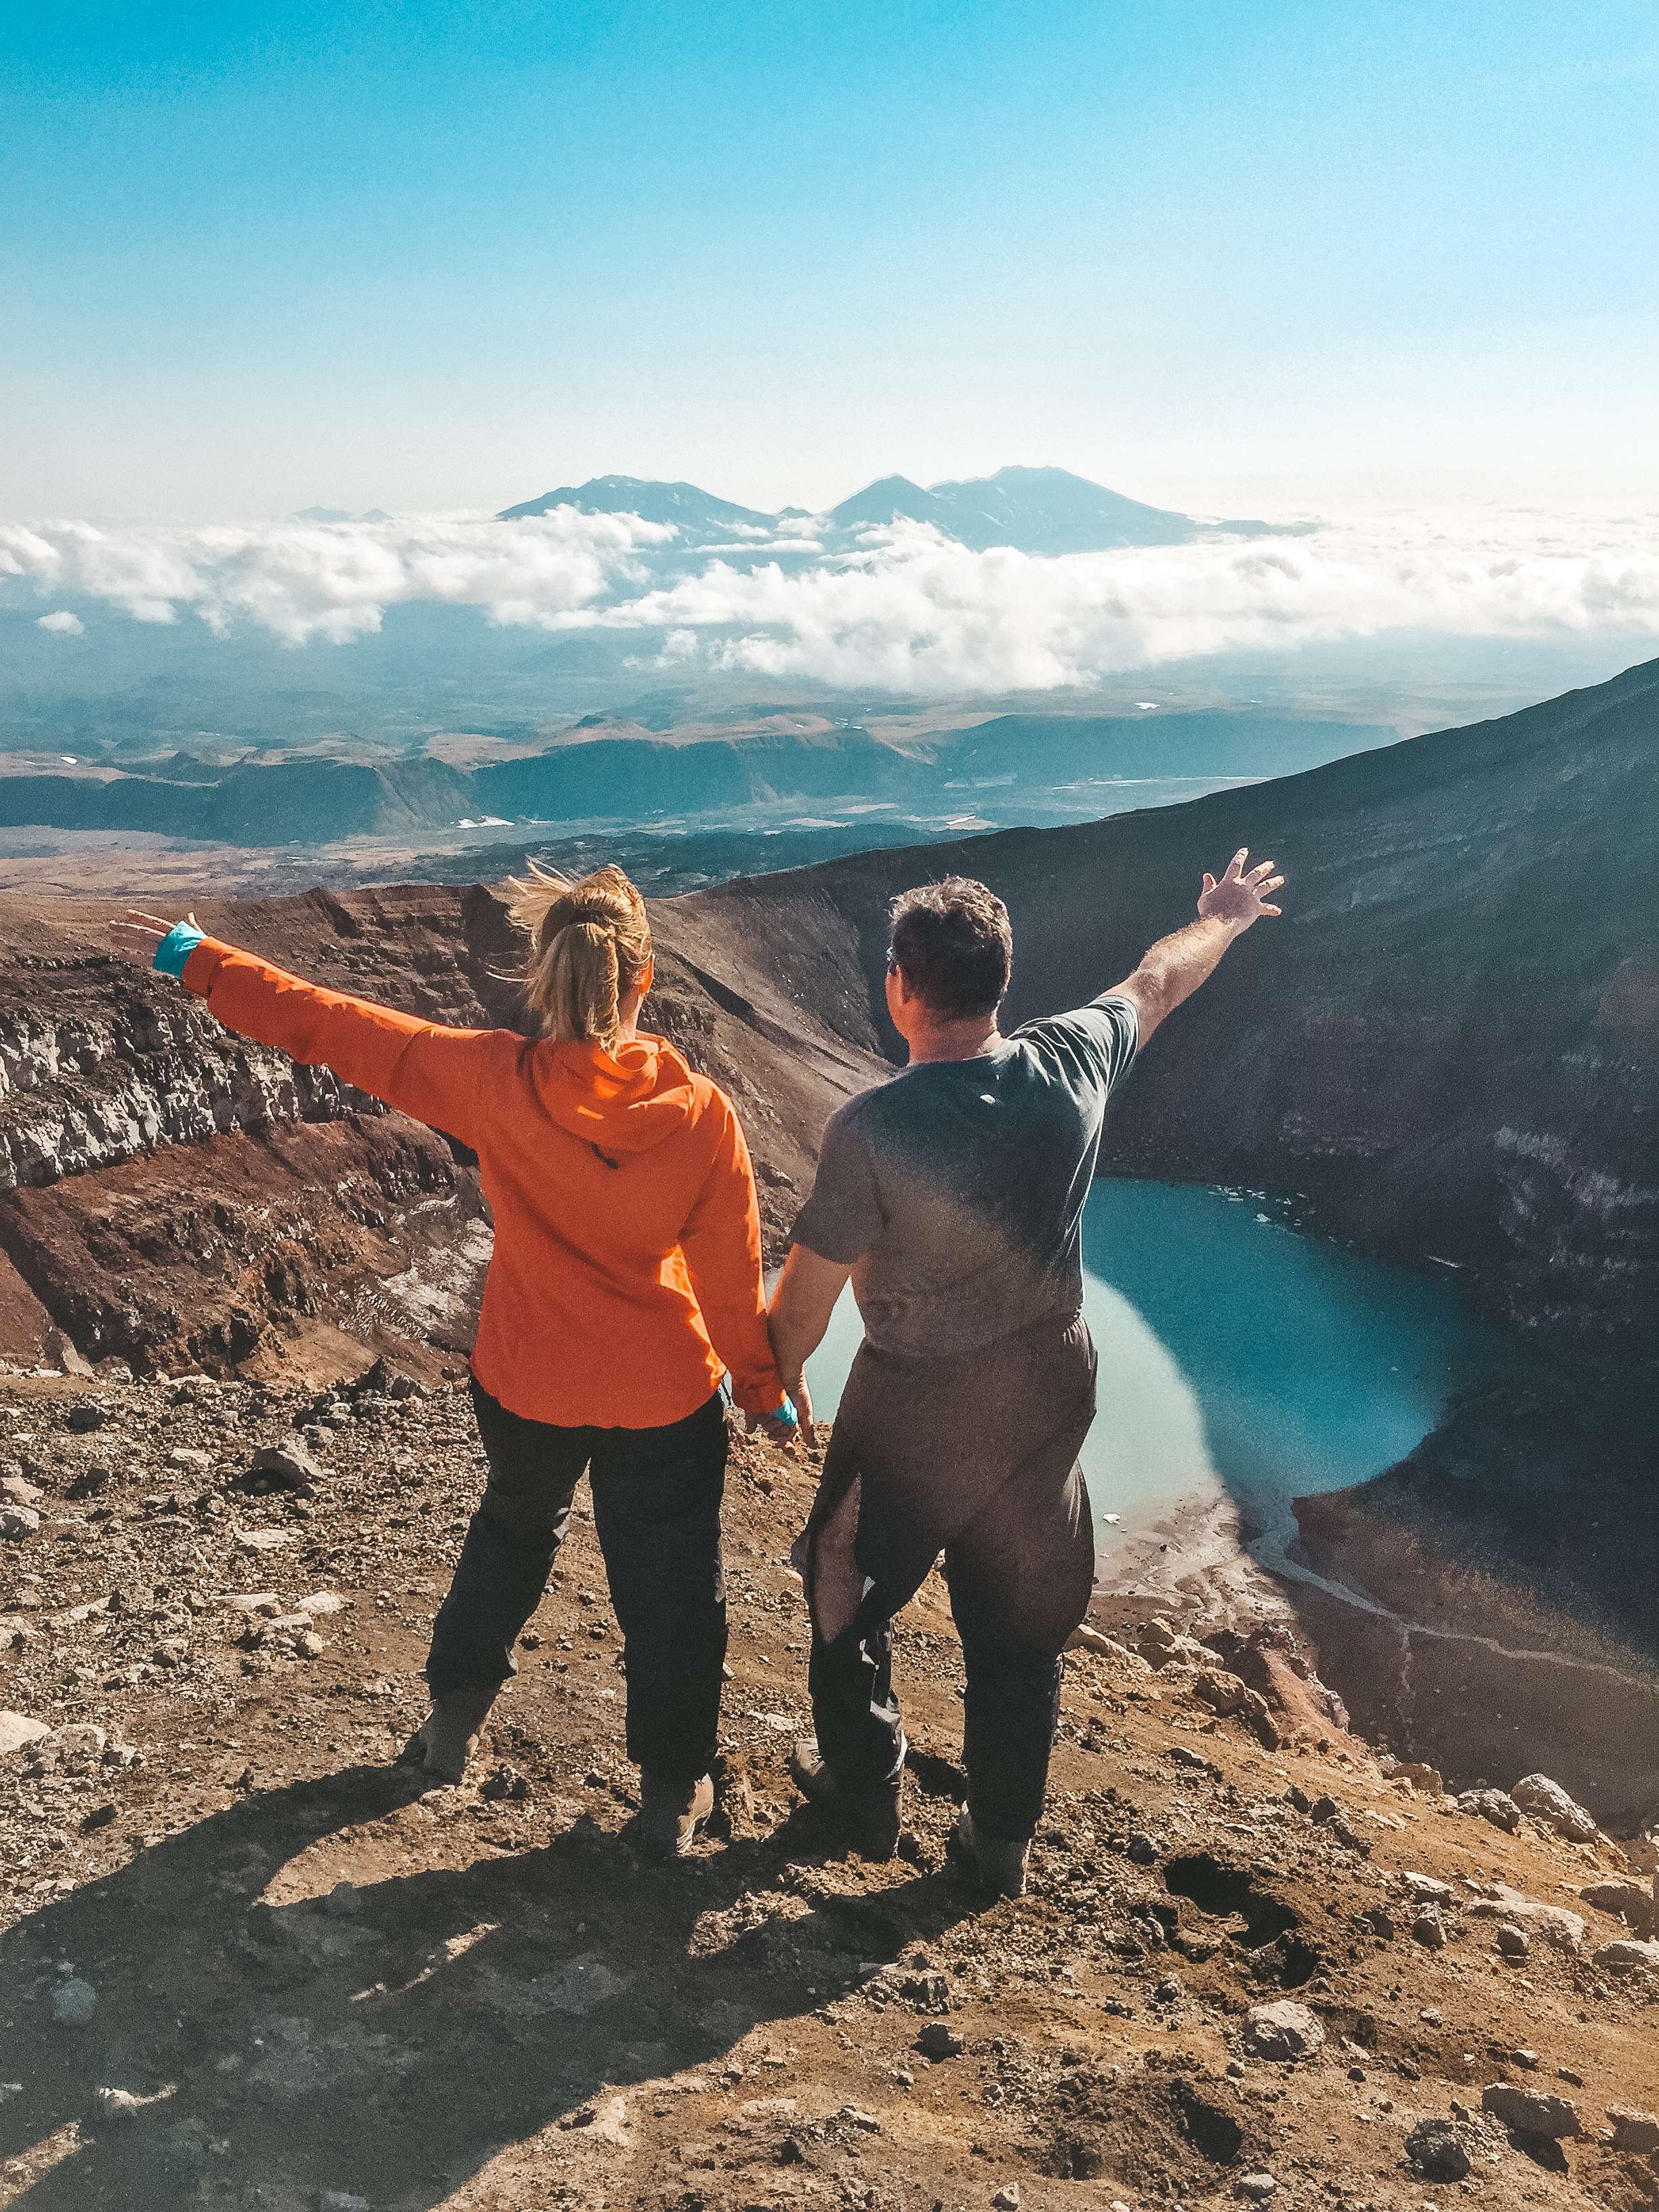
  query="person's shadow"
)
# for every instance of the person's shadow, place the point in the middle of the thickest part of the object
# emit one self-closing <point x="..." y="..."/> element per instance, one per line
<point x="391" y="2050"/>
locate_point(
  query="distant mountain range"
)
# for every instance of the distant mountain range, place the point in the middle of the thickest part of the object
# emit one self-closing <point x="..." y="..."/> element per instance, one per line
<point x="1033" y="510"/>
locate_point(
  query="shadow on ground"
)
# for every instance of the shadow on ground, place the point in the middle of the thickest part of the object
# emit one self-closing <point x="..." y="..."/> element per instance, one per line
<point x="392" y="2051"/>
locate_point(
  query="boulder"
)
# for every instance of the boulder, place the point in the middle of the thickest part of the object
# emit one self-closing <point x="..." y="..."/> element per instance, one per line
<point x="1548" y="1801"/>
<point x="1494" y="1805"/>
<point x="1421" y="1776"/>
<point x="1625" y="1955"/>
<point x="1438" y="2151"/>
<point x="1530" y="2112"/>
<point x="286" y="1466"/>
<point x="1633" y="2130"/>
<point x="1625" y="1900"/>
<point x="1556" y="1923"/>
<point x="1283" y="2030"/>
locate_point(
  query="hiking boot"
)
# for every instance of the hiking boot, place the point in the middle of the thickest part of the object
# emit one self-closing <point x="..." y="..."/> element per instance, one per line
<point x="999" y="1867"/>
<point x="671" y="1815"/>
<point x="445" y="1739"/>
<point x="870" y="1821"/>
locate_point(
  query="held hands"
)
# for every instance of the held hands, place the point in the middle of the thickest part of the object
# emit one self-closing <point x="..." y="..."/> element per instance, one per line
<point x="135" y="939"/>
<point x="1238" y="899"/>
<point x="782" y="1432"/>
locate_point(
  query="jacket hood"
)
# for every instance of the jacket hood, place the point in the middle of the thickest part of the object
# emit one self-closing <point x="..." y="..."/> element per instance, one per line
<point x="623" y="1103"/>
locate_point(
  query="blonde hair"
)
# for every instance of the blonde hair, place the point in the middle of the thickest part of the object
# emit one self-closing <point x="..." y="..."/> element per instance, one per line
<point x="590" y="945"/>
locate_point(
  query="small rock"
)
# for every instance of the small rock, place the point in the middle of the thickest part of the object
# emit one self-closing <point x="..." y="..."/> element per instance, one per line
<point x="119" y="2105"/>
<point x="1494" y="1805"/>
<point x="1256" y="2187"/>
<point x="1283" y="2030"/>
<point x="938" y="2039"/>
<point x="17" y="1732"/>
<point x="17" y="1521"/>
<point x="1548" y="1801"/>
<point x="87" y="1414"/>
<point x="856" y="2116"/>
<point x="1437" y="2152"/>
<point x="190" y="1459"/>
<point x="1428" y="1889"/>
<point x="1633" y="2130"/>
<point x="1512" y="1940"/>
<point x="1530" y="2112"/>
<point x="287" y="1466"/>
<point x="1006" y="2199"/>
<point x="1429" y="1930"/>
<point x="322" y="1601"/>
<point x="14" y="1490"/>
<point x="74" y="2003"/>
<point x="1141" y="1850"/>
<point x="77" y="1740"/>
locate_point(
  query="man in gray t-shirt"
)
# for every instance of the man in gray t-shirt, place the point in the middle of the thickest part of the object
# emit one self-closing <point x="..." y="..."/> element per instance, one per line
<point x="951" y="1195"/>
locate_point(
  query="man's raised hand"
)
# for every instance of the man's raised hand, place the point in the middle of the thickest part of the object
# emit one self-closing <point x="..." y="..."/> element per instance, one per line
<point x="135" y="939"/>
<point x="1239" y="898"/>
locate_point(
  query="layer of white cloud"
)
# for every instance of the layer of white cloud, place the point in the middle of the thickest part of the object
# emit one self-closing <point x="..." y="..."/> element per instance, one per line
<point x="905" y="608"/>
<point x="335" y="581"/>
<point x="63" y="623"/>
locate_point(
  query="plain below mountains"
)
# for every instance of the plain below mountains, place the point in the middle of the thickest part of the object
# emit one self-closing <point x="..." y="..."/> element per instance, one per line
<point x="604" y="771"/>
<point x="1033" y="510"/>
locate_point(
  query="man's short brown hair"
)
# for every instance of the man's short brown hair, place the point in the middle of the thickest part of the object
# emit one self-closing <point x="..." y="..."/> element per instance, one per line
<point x="954" y="944"/>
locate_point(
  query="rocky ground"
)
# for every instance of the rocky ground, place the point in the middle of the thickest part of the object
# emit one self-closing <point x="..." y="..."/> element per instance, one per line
<point x="249" y="1961"/>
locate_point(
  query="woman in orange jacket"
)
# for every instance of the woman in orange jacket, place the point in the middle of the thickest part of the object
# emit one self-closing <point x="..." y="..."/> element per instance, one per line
<point x="626" y="1279"/>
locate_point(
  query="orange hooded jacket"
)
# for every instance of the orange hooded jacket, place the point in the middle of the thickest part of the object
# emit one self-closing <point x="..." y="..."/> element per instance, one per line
<point x="626" y="1277"/>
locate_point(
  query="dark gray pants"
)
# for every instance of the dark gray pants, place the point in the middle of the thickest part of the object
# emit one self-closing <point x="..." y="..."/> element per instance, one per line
<point x="976" y="1458"/>
<point x="657" y="1513"/>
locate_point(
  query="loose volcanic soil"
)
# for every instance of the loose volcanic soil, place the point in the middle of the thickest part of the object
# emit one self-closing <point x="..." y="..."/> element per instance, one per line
<point x="312" y="1981"/>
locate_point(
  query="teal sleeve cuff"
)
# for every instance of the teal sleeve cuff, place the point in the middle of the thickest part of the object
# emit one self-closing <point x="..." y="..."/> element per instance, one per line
<point x="176" y="947"/>
<point x="787" y="1415"/>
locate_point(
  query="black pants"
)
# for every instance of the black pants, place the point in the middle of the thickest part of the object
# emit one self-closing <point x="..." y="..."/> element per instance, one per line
<point x="976" y="1457"/>
<point x="1009" y="1716"/>
<point x="657" y="1512"/>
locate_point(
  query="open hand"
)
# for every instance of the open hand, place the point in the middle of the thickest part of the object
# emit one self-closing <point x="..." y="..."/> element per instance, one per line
<point x="135" y="939"/>
<point x="1238" y="898"/>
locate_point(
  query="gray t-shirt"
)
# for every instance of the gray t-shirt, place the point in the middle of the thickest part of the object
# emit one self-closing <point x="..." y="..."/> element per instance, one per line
<point x="955" y="1191"/>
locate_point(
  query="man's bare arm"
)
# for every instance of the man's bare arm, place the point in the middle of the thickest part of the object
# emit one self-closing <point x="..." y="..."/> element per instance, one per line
<point x="802" y="1305"/>
<point x="1174" y="967"/>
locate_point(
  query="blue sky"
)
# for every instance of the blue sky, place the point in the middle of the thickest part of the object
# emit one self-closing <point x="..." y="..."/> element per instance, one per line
<point x="425" y="256"/>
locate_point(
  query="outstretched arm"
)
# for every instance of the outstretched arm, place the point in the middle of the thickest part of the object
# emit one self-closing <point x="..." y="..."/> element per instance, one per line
<point x="422" y="1068"/>
<point x="1174" y="967"/>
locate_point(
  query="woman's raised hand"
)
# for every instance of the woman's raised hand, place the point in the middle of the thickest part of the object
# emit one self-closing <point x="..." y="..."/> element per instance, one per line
<point x="135" y="939"/>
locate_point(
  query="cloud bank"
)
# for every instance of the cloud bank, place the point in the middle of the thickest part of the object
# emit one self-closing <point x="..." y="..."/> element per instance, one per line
<point x="905" y="609"/>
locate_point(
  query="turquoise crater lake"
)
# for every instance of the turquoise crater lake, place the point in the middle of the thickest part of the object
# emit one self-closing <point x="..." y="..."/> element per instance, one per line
<point x="1241" y="1360"/>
